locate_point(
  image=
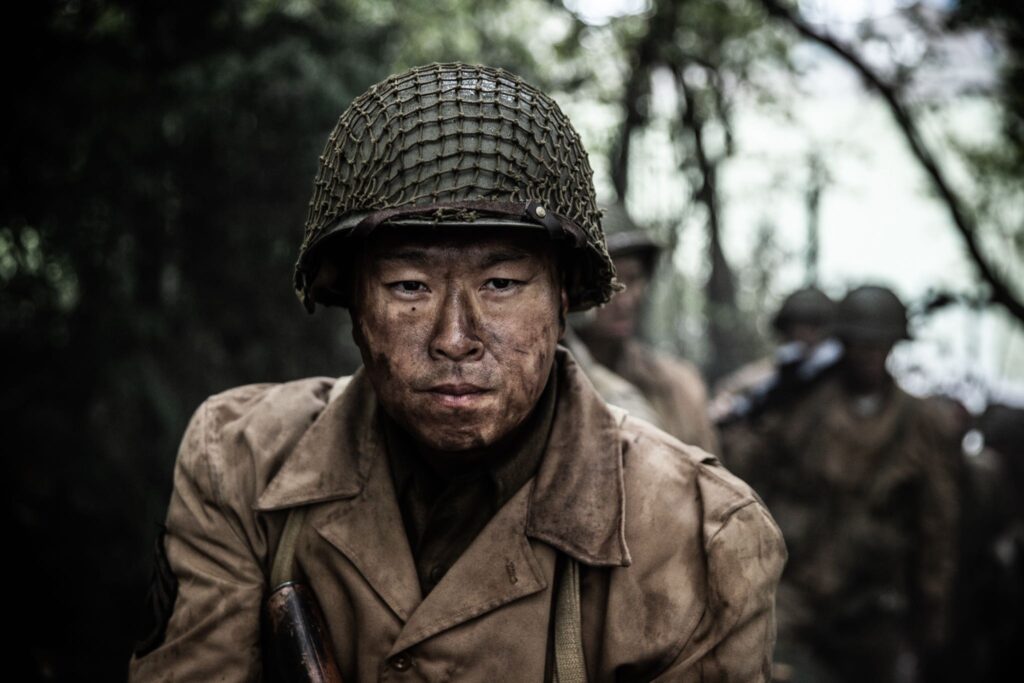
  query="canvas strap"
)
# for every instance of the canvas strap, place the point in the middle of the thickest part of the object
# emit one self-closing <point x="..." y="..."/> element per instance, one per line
<point x="569" y="664"/>
<point x="283" y="568"/>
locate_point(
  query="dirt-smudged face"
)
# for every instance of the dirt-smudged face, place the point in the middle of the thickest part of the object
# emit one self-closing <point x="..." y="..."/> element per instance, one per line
<point x="619" y="319"/>
<point x="457" y="330"/>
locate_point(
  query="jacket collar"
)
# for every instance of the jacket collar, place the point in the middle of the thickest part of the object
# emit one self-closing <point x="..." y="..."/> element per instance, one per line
<point x="327" y="462"/>
<point x="577" y="501"/>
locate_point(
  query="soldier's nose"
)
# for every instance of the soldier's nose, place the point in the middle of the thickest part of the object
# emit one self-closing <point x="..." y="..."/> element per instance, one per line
<point x="455" y="332"/>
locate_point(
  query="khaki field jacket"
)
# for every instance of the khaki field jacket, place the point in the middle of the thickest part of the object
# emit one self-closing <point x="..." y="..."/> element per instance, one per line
<point x="678" y="560"/>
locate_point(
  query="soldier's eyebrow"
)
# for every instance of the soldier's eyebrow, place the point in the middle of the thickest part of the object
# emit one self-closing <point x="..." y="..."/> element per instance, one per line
<point x="419" y="256"/>
<point x="407" y="254"/>
<point x="503" y="255"/>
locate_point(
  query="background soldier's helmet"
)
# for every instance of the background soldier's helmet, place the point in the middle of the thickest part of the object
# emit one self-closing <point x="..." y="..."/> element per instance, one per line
<point x="873" y="314"/>
<point x="626" y="238"/>
<point x="805" y="306"/>
<point x="451" y="144"/>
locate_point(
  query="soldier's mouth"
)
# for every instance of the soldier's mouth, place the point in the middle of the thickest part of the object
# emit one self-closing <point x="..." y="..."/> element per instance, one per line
<point x="457" y="395"/>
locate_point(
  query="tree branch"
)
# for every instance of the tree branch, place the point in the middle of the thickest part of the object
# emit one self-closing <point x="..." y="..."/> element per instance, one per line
<point x="721" y="288"/>
<point x="661" y="29"/>
<point x="958" y="212"/>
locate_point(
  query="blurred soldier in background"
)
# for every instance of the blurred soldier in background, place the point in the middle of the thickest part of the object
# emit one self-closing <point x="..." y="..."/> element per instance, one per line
<point x="613" y="389"/>
<point x="672" y="386"/>
<point x="860" y="478"/>
<point x="990" y="584"/>
<point x="804" y="326"/>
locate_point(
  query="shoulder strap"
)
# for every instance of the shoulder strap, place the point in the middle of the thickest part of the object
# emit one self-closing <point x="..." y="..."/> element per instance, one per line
<point x="283" y="568"/>
<point x="569" y="664"/>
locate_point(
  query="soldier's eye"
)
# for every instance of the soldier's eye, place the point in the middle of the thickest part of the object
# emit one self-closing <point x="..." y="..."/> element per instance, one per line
<point x="500" y="283"/>
<point x="408" y="287"/>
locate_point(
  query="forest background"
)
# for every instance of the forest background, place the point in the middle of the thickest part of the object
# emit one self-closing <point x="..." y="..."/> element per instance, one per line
<point x="158" y="157"/>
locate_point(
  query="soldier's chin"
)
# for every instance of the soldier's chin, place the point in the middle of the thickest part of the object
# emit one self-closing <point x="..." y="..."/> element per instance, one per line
<point x="462" y="440"/>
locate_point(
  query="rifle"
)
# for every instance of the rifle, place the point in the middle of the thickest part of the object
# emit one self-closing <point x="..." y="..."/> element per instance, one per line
<point x="796" y="371"/>
<point x="298" y="632"/>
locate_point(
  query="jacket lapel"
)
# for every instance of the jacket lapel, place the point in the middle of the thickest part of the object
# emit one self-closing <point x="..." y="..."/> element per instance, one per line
<point x="340" y="461"/>
<point x="368" y="530"/>
<point x="578" y="504"/>
<point x="499" y="567"/>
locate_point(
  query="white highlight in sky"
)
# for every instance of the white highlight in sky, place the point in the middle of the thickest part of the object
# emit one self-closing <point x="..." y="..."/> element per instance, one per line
<point x="600" y="12"/>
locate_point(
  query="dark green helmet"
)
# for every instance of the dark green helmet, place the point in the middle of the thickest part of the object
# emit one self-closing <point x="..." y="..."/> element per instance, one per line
<point x="805" y="306"/>
<point x="626" y="238"/>
<point x="454" y="144"/>
<point x="872" y="314"/>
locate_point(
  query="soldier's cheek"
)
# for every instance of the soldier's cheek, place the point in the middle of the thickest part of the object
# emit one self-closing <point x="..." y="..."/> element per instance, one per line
<point x="523" y="347"/>
<point x="386" y="341"/>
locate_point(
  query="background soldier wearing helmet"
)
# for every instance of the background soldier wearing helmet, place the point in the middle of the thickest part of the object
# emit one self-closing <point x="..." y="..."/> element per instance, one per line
<point x="465" y="507"/>
<point x="860" y="477"/>
<point x="672" y="386"/>
<point x="804" y="325"/>
<point x="987" y="624"/>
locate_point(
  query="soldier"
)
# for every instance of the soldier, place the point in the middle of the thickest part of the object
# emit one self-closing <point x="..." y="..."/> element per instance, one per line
<point x="990" y="596"/>
<point x="858" y="475"/>
<point x="465" y="507"/>
<point x="612" y="388"/>
<point x="804" y="326"/>
<point x="672" y="386"/>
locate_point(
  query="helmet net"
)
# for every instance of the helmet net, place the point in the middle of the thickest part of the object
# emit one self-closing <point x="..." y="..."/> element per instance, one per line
<point x="453" y="132"/>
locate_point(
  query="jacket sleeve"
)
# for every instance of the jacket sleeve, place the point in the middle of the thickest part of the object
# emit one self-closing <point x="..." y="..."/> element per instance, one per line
<point x="213" y="632"/>
<point x="735" y="637"/>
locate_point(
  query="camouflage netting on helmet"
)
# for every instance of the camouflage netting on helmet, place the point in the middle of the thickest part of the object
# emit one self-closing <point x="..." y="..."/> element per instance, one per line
<point x="447" y="133"/>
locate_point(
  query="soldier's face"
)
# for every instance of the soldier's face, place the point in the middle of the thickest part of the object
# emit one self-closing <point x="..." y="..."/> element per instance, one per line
<point x="620" y="317"/>
<point x="864" y="364"/>
<point x="457" y="330"/>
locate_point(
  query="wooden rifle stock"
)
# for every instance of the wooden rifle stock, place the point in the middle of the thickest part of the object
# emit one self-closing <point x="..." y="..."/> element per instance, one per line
<point x="299" y="635"/>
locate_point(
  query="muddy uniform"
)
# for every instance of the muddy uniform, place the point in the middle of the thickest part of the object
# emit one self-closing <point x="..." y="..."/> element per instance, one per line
<point x="867" y="503"/>
<point x="613" y="389"/>
<point x="678" y="560"/>
<point x="675" y="390"/>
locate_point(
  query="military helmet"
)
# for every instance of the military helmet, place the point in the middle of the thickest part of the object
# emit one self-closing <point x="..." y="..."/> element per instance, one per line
<point x="873" y="314"/>
<point x="626" y="238"/>
<point x="808" y="306"/>
<point x="453" y="144"/>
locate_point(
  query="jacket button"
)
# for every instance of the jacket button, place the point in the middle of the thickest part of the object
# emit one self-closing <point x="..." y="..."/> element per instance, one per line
<point x="400" y="662"/>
